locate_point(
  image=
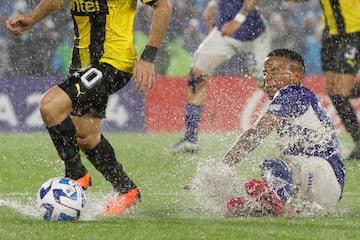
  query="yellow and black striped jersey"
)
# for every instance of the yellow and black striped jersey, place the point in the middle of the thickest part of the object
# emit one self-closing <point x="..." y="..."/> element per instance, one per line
<point x="103" y="31"/>
<point x="341" y="16"/>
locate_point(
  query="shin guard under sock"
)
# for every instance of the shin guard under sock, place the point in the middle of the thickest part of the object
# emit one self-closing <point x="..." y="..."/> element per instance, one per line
<point x="347" y="115"/>
<point x="192" y="122"/>
<point x="104" y="160"/>
<point x="63" y="137"/>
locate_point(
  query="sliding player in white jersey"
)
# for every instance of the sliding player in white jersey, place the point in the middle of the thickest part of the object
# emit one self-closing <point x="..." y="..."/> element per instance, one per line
<point x="309" y="169"/>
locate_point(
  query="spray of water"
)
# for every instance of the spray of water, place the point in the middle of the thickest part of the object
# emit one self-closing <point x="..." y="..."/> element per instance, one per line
<point x="25" y="204"/>
<point x="213" y="185"/>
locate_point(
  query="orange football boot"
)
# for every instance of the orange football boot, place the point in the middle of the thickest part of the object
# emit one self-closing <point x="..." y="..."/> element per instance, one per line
<point x="117" y="204"/>
<point x="85" y="181"/>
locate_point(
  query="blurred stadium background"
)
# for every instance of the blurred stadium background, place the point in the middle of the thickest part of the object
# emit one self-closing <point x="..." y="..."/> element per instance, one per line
<point x="30" y="64"/>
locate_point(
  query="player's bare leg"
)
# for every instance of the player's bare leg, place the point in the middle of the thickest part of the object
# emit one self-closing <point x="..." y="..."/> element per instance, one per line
<point x="102" y="156"/>
<point x="87" y="131"/>
<point x="193" y="110"/>
<point x="55" y="107"/>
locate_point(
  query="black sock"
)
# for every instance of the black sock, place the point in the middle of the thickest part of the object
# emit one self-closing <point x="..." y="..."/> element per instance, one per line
<point x="74" y="169"/>
<point x="347" y="115"/>
<point x="355" y="93"/>
<point x="63" y="137"/>
<point x="104" y="160"/>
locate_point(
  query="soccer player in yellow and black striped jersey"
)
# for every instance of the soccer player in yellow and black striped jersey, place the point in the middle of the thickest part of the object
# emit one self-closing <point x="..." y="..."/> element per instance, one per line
<point x="340" y="59"/>
<point x="103" y="62"/>
<point x="340" y="56"/>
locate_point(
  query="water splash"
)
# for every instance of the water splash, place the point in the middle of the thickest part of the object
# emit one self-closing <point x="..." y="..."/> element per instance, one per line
<point x="213" y="185"/>
<point x="25" y="204"/>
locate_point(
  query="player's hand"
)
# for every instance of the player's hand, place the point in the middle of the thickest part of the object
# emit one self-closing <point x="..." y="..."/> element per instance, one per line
<point x="144" y="75"/>
<point x="18" y="24"/>
<point x="230" y="28"/>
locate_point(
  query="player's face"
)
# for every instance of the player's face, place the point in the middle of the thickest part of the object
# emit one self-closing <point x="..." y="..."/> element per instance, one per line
<point x="278" y="73"/>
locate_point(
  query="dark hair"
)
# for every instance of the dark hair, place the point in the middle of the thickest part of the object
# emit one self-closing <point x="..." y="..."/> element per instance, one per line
<point x="289" y="54"/>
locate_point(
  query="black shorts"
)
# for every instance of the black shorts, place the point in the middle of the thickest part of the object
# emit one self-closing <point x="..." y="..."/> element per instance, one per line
<point x="340" y="54"/>
<point x="89" y="88"/>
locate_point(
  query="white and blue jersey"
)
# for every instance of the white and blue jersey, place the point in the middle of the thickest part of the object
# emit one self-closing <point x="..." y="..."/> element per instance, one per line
<point x="306" y="129"/>
<point x="250" y="29"/>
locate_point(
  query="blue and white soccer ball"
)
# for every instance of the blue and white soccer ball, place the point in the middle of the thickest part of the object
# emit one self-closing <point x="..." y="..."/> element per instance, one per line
<point x="61" y="198"/>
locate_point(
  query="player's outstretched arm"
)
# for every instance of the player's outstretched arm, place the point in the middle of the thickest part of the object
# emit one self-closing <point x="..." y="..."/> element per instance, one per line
<point x="160" y="23"/>
<point x="251" y="138"/>
<point x="20" y="23"/>
<point x="144" y="70"/>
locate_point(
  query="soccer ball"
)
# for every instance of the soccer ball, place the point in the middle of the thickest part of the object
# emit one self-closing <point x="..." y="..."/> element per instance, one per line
<point x="60" y="198"/>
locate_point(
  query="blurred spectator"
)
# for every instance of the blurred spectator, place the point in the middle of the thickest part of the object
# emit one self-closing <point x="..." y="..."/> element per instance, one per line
<point x="295" y="26"/>
<point x="278" y="29"/>
<point x="180" y="59"/>
<point x="3" y="14"/>
<point x="36" y="51"/>
<point x="62" y="57"/>
<point x="285" y="33"/>
<point x="4" y="56"/>
<point x="17" y="45"/>
<point x="192" y="36"/>
<point x="199" y="7"/>
<point x="43" y="39"/>
<point x="42" y="46"/>
<point x="181" y="16"/>
<point x="312" y="40"/>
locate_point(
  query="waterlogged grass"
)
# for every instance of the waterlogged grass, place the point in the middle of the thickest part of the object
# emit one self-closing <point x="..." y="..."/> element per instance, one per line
<point x="168" y="211"/>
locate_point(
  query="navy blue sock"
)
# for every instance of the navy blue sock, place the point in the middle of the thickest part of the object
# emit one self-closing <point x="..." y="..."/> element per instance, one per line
<point x="192" y="122"/>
